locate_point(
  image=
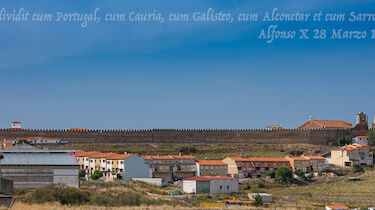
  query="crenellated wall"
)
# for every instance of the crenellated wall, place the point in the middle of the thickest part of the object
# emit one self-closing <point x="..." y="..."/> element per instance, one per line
<point x="288" y="136"/>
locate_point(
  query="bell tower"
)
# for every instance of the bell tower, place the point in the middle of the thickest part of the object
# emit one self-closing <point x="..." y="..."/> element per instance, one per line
<point x="361" y="119"/>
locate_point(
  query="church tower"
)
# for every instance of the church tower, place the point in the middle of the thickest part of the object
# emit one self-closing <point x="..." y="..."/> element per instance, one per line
<point x="361" y="119"/>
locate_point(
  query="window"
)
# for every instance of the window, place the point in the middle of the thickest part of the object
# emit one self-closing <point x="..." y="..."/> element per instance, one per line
<point x="221" y="187"/>
<point x="227" y="187"/>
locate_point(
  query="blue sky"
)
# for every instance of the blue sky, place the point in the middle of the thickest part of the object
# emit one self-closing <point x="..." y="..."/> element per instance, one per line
<point x="181" y="75"/>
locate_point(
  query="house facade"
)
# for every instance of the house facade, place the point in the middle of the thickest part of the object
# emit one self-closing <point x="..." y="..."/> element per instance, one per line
<point x="210" y="184"/>
<point x="348" y="155"/>
<point x="172" y="167"/>
<point x="253" y="167"/>
<point x="211" y="168"/>
<point x="83" y="159"/>
<point x="360" y="139"/>
<point x="98" y="162"/>
<point x="308" y="164"/>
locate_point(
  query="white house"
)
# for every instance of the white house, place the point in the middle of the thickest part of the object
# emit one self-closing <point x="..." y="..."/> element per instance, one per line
<point x="210" y="184"/>
<point x="360" y="139"/>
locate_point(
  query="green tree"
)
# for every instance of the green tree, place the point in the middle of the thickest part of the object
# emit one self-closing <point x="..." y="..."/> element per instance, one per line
<point x="357" y="168"/>
<point x="96" y="175"/>
<point x="371" y="137"/>
<point x="258" y="201"/>
<point x="341" y="141"/>
<point x="283" y="175"/>
<point x="300" y="173"/>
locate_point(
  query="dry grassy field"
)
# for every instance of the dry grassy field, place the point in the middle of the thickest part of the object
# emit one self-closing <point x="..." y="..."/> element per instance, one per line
<point x="211" y="151"/>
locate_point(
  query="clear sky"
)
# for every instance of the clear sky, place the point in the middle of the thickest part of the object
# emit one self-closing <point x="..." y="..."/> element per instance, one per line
<point x="181" y="75"/>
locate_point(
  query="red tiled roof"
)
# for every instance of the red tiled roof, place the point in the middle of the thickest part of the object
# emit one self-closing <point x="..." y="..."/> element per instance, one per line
<point x="211" y="162"/>
<point x="240" y="159"/>
<point x="337" y="207"/>
<point x="298" y="158"/>
<point x="8" y="144"/>
<point x="86" y="154"/>
<point x="238" y="201"/>
<point x="120" y="156"/>
<point x="362" y="137"/>
<point x="183" y="156"/>
<point x="268" y="159"/>
<point x="162" y="157"/>
<point x="333" y="123"/>
<point x="351" y="147"/>
<point x="103" y="155"/>
<point x="315" y="157"/>
<point x="207" y="178"/>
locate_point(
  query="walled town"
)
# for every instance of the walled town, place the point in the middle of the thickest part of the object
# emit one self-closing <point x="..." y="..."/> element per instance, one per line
<point x="320" y="164"/>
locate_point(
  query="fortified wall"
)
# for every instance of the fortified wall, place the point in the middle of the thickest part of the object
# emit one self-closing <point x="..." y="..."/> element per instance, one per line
<point x="257" y="136"/>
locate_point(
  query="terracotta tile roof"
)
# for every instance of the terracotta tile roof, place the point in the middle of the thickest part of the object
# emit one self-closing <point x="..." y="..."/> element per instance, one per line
<point x="161" y="157"/>
<point x="8" y="144"/>
<point x="240" y="159"/>
<point x="351" y="147"/>
<point x="270" y="159"/>
<point x="86" y="154"/>
<point x="238" y="201"/>
<point x="183" y="157"/>
<point x="337" y="207"/>
<point x="333" y="123"/>
<point x="103" y="155"/>
<point x="298" y="158"/>
<point x="207" y="178"/>
<point x="211" y="162"/>
<point x="315" y="157"/>
<point x="120" y="156"/>
<point x="362" y="137"/>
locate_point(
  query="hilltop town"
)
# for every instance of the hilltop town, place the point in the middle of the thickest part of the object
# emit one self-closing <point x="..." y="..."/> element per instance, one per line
<point x="316" y="165"/>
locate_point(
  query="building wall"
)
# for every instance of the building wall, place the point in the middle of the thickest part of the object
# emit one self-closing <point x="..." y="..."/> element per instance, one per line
<point x="288" y="136"/>
<point x="189" y="186"/>
<point x="135" y="167"/>
<point x="212" y="170"/>
<point x="38" y="176"/>
<point x="223" y="186"/>
<point x="232" y="167"/>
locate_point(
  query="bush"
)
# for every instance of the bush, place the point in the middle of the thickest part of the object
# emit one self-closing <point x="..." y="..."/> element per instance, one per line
<point x="270" y="174"/>
<point x="357" y="168"/>
<point x="371" y="137"/>
<point x="283" y="175"/>
<point x="300" y="173"/>
<point x="258" y="201"/>
<point x="341" y="141"/>
<point x="59" y="193"/>
<point x="103" y="199"/>
<point x="96" y="175"/>
<point x="261" y="184"/>
<point x="188" y="150"/>
<point x="119" y="176"/>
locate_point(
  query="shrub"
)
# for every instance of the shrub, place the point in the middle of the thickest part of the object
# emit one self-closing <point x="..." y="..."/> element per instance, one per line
<point x="119" y="176"/>
<point x="188" y="150"/>
<point x="357" y="168"/>
<point x="283" y="175"/>
<point x="342" y="140"/>
<point x="300" y="173"/>
<point x="261" y="184"/>
<point x="102" y="199"/>
<point x="258" y="201"/>
<point x="96" y="175"/>
<point x="371" y="137"/>
<point x="81" y="174"/>
<point x="59" y="193"/>
<point x="270" y="174"/>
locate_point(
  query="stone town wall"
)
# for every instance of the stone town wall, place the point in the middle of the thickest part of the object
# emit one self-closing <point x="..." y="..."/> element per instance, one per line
<point x="255" y="136"/>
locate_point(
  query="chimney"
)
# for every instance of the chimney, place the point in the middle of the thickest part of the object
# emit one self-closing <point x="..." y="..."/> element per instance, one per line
<point x="310" y="117"/>
<point x="179" y="154"/>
